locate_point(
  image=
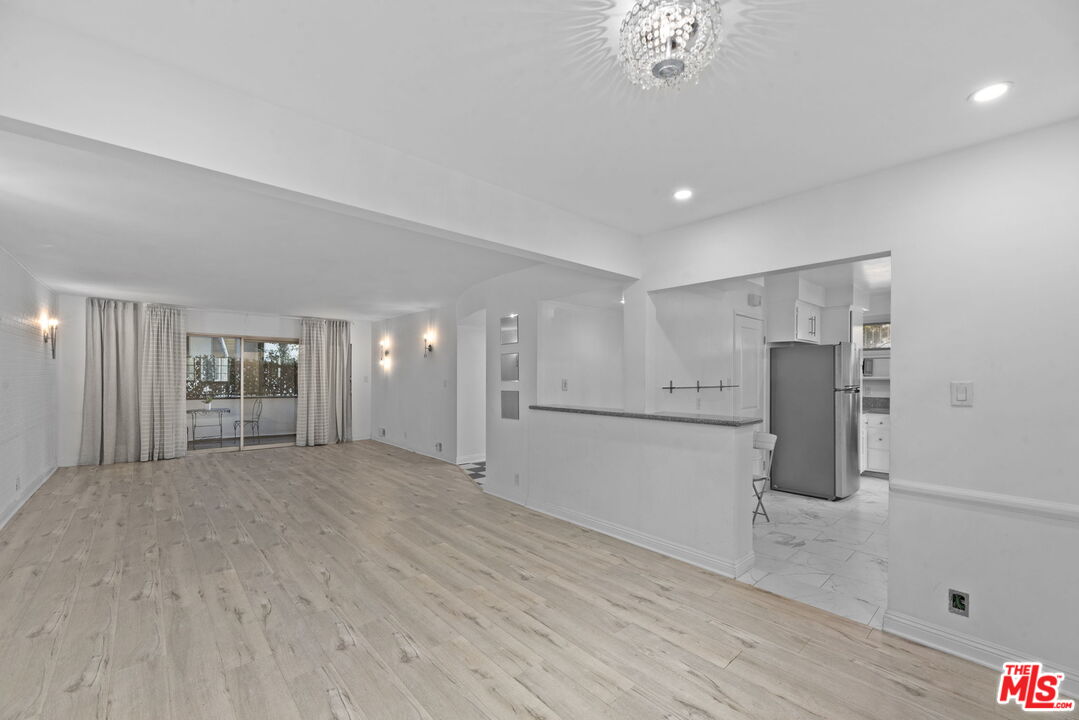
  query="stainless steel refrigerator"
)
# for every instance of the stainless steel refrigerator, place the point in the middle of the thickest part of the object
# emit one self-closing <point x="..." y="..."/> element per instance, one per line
<point x="815" y="394"/>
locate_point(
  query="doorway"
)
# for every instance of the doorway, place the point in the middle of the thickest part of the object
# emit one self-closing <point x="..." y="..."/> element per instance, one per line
<point x="828" y="553"/>
<point x="472" y="395"/>
<point x="241" y="392"/>
<point x="748" y="366"/>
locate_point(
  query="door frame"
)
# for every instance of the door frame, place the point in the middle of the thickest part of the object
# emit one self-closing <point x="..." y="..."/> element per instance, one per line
<point x="735" y="362"/>
<point x="241" y="445"/>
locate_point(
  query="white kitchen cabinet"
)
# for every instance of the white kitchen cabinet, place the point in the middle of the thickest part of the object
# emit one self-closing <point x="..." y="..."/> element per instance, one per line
<point x="807" y="321"/>
<point x="877" y="461"/>
<point x="793" y="320"/>
<point x="877" y="433"/>
<point x="793" y="309"/>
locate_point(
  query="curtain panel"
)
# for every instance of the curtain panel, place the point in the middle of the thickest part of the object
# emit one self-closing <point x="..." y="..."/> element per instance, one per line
<point x="163" y="374"/>
<point x="324" y="388"/>
<point x="110" y="407"/>
<point x="339" y="376"/>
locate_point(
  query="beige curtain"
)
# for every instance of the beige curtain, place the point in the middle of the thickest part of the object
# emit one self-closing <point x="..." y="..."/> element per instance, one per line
<point x="324" y="388"/>
<point x="163" y="374"/>
<point x="339" y="377"/>
<point x="110" y="407"/>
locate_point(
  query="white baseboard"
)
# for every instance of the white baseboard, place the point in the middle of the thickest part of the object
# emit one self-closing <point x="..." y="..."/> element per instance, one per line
<point x="465" y="459"/>
<point x="502" y="496"/>
<point x="969" y="647"/>
<point x="384" y="441"/>
<point x="19" y="500"/>
<point x="714" y="563"/>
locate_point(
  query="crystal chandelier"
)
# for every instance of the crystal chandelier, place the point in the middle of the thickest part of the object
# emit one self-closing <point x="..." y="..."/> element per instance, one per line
<point x="667" y="43"/>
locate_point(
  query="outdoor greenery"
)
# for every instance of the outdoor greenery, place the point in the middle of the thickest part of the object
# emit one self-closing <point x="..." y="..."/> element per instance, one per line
<point x="877" y="336"/>
<point x="273" y="373"/>
<point x="270" y="371"/>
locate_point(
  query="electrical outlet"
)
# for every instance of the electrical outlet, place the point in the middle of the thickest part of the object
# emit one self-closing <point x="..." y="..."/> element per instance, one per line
<point x="959" y="603"/>
<point x="698" y="403"/>
<point x="565" y="384"/>
<point x="962" y="394"/>
<point x="18" y="483"/>
<point x="382" y="432"/>
<point x="438" y="447"/>
<point x="516" y="478"/>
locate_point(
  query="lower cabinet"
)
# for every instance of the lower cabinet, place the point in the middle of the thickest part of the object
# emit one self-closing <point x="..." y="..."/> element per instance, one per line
<point x="877" y="461"/>
<point x="876" y="442"/>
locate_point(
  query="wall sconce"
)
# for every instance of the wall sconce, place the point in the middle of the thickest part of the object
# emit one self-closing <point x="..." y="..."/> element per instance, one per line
<point x="48" y="332"/>
<point x="384" y="353"/>
<point x="428" y="344"/>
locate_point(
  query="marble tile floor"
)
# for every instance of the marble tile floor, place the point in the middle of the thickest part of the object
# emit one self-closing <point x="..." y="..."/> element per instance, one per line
<point x="831" y="555"/>
<point x="476" y="470"/>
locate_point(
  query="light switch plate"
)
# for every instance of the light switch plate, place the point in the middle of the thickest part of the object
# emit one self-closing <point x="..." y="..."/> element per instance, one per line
<point x="962" y="394"/>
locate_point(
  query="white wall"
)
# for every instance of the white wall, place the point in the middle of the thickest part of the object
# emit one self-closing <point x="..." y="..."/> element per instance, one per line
<point x="639" y="348"/>
<point x="71" y="356"/>
<point x="472" y="388"/>
<point x="361" y="380"/>
<point x="693" y="340"/>
<point x="518" y="292"/>
<point x="677" y="488"/>
<point x="582" y="346"/>
<point x="28" y="387"/>
<point x="984" y="261"/>
<point x="880" y="307"/>
<point x="71" y="359"/>
<point x="414" y="398"/>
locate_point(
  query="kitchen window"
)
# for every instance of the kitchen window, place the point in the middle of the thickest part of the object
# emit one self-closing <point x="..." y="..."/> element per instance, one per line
<point x="877" y="336"/>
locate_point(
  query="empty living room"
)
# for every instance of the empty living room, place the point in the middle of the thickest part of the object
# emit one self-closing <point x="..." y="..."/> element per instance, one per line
<point x="496" y="360"/>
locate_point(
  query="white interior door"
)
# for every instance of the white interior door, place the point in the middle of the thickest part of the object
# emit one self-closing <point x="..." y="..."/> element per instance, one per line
<point x="748" y="366"/>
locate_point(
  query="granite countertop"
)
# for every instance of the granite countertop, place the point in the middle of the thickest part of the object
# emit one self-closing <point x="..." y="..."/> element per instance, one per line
<point x="693" y="418"/>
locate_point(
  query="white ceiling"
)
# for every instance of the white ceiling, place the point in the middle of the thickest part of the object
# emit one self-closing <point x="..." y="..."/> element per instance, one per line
<point x="87" y="223"/>
<point x="527" y="95"/>
<point x="874" y="275"/>
<point x="605" y="298"/>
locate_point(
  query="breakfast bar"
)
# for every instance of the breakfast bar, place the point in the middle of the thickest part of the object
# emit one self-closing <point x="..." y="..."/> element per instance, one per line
<point x="676" y="483"/>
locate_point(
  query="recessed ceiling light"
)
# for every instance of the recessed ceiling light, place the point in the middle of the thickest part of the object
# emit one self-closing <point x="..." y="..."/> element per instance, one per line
<point x="990" y="93"/>
<point x="683" y="194"/>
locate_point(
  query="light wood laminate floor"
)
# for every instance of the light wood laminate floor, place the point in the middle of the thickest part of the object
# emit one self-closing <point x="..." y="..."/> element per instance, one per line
<point x="362" y="582"/>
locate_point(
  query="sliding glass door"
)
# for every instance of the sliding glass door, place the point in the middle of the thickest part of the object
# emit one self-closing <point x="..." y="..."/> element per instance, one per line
<point x="237" y="399"/>
<point x="213" y="391"/>
<point x="269" y="392"/>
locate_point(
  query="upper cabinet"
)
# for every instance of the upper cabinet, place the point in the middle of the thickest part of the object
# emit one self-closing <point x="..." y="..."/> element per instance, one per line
<point x="793" y="311"/>
<point x="807" y="321"/>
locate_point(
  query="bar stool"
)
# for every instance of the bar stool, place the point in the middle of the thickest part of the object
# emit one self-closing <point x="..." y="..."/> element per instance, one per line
<point x="766" y="443"/>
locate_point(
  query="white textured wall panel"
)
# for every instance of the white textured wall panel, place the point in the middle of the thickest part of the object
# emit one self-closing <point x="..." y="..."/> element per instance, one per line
<point x="28" y="403"/>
